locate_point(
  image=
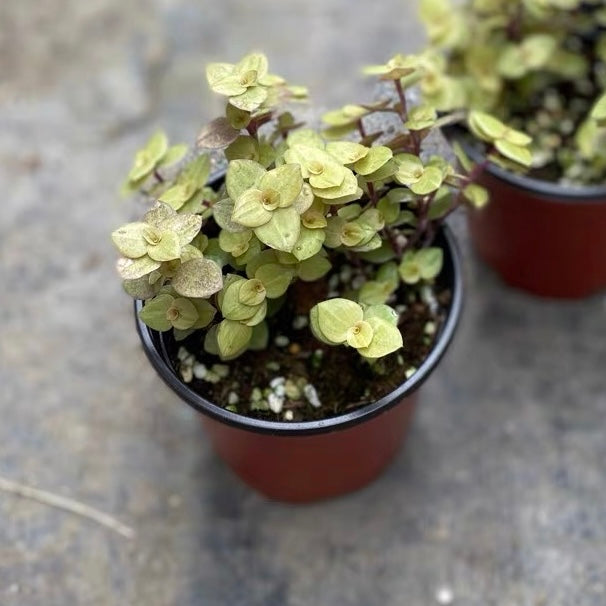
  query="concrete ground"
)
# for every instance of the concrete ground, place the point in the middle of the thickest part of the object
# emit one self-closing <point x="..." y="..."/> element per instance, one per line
<point x="499" y="498"/>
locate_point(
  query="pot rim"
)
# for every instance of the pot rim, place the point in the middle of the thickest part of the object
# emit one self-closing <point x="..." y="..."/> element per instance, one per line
<point x="201" y="404"/>
<point x="554" y="192"/>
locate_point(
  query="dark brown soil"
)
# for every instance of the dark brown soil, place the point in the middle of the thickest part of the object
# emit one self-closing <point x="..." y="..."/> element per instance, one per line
<point x="342" y="378"/>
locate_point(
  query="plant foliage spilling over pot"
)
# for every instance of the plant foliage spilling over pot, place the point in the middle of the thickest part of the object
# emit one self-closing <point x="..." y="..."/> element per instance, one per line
<point x="339" y="222"/>
<point x="540" y="65"/>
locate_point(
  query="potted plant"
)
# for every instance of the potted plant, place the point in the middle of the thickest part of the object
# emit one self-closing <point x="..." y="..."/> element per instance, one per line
<point x="540" y="66"/>
<point x="300" y="294"/>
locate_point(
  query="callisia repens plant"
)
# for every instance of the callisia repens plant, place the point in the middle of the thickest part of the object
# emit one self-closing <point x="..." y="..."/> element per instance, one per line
<point x="220" y="256"/>
<point x="540" y="65"/>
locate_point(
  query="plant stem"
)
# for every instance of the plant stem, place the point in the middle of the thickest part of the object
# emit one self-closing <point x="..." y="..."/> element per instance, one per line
<point x="361" y="129"/>
<point x="158" y="176"/>
<point x="404" y="116"/>
<point x="402" y="97"/>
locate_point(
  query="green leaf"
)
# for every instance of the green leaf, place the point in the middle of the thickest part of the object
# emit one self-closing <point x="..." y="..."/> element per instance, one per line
<point x="216" y="134"/>
<point x="282" y="231"/>
<point x="244" y="148"/>
<point x="222" y="213"/>
<point x="182" y="314"/>
<point x="237" y="118"/>
<point x="167" y="249"/>
<point x="147" y="158"/>
<point x="389" y="210"/>
<point x="178" y="194"/>
<point x="242" y="175"/>
<point x="215" y="253"/>
<point x="256" y="62"/>
<point x="598" y="113"/>
<point x="259" y="338"/>
<point x="174" y="154"/>
<point x="410" y="169"/>
<point x="234" y="243"/>
<point x="305" y="136"/>
<point x="206" y="312"/>
<point x="159" y="214"/>
<point x="314" y="268"/>
<point x="374" y="292"/>
<point x="384" y="312"/>
<point x="409" y="269"/>
<point x="286" y="180"/>
<point x="129" y="240"/>
<point x="430" y="262"/>
<point x="259" y="315"/>
<point x="347" y="152"/>
<point x="336" y="317"/>
<point x="375" y="158"/>
<point x="315" y="326"/>
<point x="216" y="72"/>
<point x="385" y="172"/>
<point x="141" y="288"/>
<point x="485" y="126"/>
<point x="186" y="226"/>
<point x="352" y="234"/>
<point x="250" y="100"/>
<point x="232" y="307"/>
<point x="476" y="195"/>
<point x="360" y="334"/>
<point x="421" y="117"/>
<point x="249" y="209"/>
<point x="430" y="181"/>
<point x="348" y="188"/>
<point x="464" y="160"/>
<point x="265" y="256"/>
<point x="232" y="338"/>
<point x="386" y="339"/>
<point x="309" y="243"/>
<point x="440" y="204"/>
<point x="210" y="341"/>
<point x="131" y="269"/>
<point x="275" y="278"/>
<point x="154" y="312"/>
<point x="252" y="292"/>
<point x="349" y="114"/>
<point x="518" y="154"/>
<point x="198" y="278"/>
<point x="304" y="200"/>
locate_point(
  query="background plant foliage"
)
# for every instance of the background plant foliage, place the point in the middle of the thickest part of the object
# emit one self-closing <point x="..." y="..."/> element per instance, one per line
<point x="538" y="64"/>
<point x="294" y="203"/>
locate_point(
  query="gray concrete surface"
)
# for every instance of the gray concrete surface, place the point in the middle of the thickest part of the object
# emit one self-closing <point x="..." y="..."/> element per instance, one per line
<point x="499" y="498"/>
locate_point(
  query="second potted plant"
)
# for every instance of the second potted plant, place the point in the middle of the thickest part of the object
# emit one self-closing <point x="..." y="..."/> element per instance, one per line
<point x="540" y="66"/>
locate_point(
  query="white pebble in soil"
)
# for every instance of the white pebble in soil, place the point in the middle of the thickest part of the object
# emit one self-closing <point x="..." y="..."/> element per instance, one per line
<point x="310" y="393"/>
<point x="275" y="402"/>
<point x="300" y="322"/>
<point x="200" y="370"/>
<point x="281" y="341"/>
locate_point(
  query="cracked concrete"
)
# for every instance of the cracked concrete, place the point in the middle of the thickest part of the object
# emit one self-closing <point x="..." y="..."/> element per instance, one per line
<point x="500" y="494"/>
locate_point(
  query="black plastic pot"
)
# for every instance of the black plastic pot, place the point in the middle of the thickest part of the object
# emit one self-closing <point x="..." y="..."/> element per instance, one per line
<point x="307" y="461"/>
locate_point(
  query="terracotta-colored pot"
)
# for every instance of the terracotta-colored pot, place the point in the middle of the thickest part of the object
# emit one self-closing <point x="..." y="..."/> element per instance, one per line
<point x="309" y="461"/>
<point x="542" y="237"/>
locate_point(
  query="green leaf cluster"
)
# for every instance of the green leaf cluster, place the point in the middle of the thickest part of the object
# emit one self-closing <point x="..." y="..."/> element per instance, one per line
<point x="155" y="155"/>
<point x="372" y="331"/>
<point x="535" y="64"/>
<point x="296" y="205"/>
